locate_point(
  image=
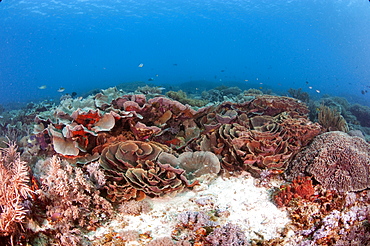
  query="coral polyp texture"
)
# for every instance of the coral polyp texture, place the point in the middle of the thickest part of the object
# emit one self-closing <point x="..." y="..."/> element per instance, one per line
<point x="132" y="171"/>
<point x="336" y="160"/>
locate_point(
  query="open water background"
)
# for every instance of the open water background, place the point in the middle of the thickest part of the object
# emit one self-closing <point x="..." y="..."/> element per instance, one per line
<point x="82" y="45"/>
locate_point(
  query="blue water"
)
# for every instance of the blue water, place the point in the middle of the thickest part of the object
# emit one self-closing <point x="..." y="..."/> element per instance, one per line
<point x="87" y="44"/>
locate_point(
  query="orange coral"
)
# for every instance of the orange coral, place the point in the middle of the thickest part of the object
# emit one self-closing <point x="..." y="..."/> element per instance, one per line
<point x="301" y="187"/>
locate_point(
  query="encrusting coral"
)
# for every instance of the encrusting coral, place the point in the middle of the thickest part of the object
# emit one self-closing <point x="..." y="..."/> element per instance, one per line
<point x="15" y="190"/>
<point x="336" y="160"/>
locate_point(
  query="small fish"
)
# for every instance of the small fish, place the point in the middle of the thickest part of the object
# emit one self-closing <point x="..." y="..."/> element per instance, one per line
<point x="61" y="89"/>
<point x="317" y="91"/>
<point x="42" y="87"/>
<point x="310" y="87"/>
<point x="151" y="79"/>
<point x="141" y="65"/>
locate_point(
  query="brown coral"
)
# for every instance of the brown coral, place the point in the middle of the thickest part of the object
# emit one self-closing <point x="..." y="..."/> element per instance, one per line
<point x="336" y="160"/>
<point x="195" y="164"/>
<point x="72" y="199"/>
<point x="132" y="171"/>
<point x="331" y="119"/>
<point x="262" y="142"/>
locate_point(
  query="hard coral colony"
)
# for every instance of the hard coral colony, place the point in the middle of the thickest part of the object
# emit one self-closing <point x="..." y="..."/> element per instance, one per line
<point x="119" y="149"/>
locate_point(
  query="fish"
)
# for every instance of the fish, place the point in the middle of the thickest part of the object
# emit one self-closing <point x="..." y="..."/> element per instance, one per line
<point x="151" y="79"/>
<point x="61" y="89"/>
<point x="141" y="65"/>
<point x="317" y="91"/>
<point x="310" y="87"/>
<point x="42" y="87"/>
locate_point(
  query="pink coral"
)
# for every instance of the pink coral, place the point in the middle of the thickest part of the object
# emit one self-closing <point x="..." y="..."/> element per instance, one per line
<point x="14" y="190"/>
<point x="336" y="160"/>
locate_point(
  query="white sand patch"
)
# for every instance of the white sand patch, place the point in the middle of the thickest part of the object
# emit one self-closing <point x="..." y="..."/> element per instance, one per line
<point x="249" y="208"/>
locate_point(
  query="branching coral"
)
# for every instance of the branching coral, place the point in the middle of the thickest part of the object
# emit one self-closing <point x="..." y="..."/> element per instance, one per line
<point x="331" y="119"/>
<point x="72" y="199"/>
<point x="14" y="190"/>
<point x="303" y="96"/>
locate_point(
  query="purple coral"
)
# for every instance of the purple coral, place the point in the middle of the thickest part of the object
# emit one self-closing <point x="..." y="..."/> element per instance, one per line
<point x="227" y="235"/>
<point x="336" y="160"/>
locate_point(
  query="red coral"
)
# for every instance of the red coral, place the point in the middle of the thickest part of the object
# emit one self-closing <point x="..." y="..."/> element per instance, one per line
<point x="87" y="119"/>
<point x="301" y="187"/>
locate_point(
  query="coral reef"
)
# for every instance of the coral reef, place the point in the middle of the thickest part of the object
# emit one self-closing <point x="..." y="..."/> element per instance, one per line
<point x="228" y="234"/>
<point x="150" y="147"/>
<point x="362" y="114"/>
<point x="72" y="201"/>
<point x="198" y="228"/>
<point x="336" y="160"/>
<point x="133" y="207"/>
<point x="257" y="142"/>
<point x="299" y="94"/>
<point x="221" y="93"/>
<point x="150" y="90"/>
<point x="195" y="164"/>
<point x="183" y="98"/>
<point x="132" y="171"/>
<point x="15" y="192"/>
<point x="301" y="188"/>
<point x="331" y="120"/>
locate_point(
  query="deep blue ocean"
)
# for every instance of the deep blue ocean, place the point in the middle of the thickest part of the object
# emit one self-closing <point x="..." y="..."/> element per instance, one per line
<point x="320" y="46"/>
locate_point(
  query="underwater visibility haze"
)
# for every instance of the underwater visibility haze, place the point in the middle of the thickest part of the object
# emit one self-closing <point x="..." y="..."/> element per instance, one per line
<point x="184" y="122"/>
<point x="319" y="46"/>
